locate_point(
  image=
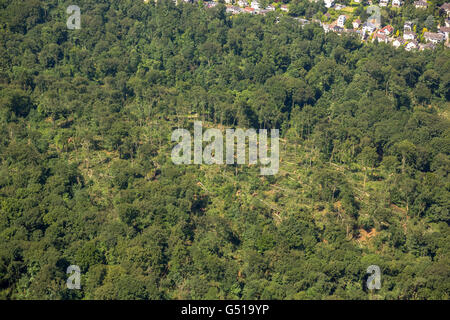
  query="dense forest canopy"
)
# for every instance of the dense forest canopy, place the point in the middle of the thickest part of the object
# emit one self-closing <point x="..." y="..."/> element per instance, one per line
<point x="86" y="177"/>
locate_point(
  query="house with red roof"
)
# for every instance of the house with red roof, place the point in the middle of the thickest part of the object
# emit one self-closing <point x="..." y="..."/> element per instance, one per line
<point x="249" y="10"/>
<point x="387" y="30"/>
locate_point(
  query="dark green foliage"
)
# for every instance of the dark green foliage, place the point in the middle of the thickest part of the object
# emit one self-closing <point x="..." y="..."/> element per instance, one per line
<point x="86" y="176"/>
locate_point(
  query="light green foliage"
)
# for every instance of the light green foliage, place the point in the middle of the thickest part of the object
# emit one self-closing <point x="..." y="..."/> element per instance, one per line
<point x="86" y="176"/>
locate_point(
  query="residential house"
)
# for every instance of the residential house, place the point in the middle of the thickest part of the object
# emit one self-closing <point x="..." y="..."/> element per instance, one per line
<point x="329" y="3"/>
<point x="408" y="26"/>
<point x="341" y="20"/>
<point x="339" y="6"/>
<point x="338" y="29"/>
<point x="242" y="3"/>
<point x="383" y="3"/>
<point x="249" y="10"/>
<point x="270" y="8"/>
<point x="233" y="9"/>
<point x="433" y="37"/>
<point x="429" y="46"/>
<point x="387" y="30"/>
<point x="356" y="24"/>
<point x="445" y="31"/>
<point x="302" y="21"/>
<point x="255" y="5"/>
<point x="368" y="28"/>
<point x="409" y="35"/>
<point x="210" y="4"/>
<point x="284" y="8"/>
<point x="380" y="38"/>
<point x="397" y="3"/>
<point x="398" y="42"/>
<point x="412" y="45"/>
<point x="421" y="4"/>
<point x="447" y="22"/>
<point x="446" y="8"/>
